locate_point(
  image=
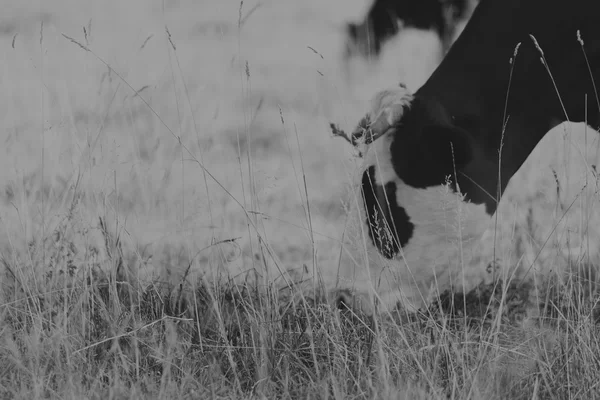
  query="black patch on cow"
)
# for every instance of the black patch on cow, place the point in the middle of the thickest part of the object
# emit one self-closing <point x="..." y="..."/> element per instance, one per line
<point x="389" y="225"/>
<point x="433" y="156"/>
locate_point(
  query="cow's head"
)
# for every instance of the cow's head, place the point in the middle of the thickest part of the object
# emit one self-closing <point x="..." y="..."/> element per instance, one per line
<point x="417" y="231"/>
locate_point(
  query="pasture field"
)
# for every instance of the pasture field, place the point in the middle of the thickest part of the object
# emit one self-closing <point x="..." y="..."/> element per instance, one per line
<point x="173" y="208"/>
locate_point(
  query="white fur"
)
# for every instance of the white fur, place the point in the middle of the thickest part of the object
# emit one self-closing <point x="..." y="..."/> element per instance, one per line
<point x="447" y="229"/>
<point x="440" y="252"/>
<point x="387" y="107"/>
<point x="454" y="241"/>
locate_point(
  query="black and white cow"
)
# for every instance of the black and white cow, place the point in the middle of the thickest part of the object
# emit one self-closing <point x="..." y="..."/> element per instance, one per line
<point x="436" y="162"/>
<point x="386" y="18"/>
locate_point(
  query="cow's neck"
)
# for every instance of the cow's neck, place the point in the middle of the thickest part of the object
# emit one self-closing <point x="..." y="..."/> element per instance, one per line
<point x="479" y="180"/>
<point x="476" y="76"/>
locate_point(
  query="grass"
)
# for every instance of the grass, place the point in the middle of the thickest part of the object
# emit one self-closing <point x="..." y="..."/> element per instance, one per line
<point x="171" y="217"/>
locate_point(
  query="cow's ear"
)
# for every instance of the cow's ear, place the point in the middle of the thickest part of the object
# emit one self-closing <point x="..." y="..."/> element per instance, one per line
<point x="447" y="146"/>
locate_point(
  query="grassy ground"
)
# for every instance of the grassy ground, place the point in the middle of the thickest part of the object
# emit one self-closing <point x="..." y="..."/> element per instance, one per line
<point x="170" y="189"/>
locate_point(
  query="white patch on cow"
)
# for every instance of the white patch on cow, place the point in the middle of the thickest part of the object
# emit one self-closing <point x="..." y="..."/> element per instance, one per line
<point x="387" y="107"/>
<point x="443" y="250"/>
<point x="440" y="253"/>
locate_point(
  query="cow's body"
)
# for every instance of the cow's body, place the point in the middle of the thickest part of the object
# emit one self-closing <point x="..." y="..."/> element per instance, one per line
<point x="417" y="231"/>
<point x="386" y="18"/>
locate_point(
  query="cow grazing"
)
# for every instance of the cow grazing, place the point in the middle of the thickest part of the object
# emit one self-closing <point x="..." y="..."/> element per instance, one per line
<point x="435" y="163"/>
<point x="386" y="18"/>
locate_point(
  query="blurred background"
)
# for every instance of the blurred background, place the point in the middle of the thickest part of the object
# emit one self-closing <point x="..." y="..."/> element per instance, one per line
<point x="199" y="131"/>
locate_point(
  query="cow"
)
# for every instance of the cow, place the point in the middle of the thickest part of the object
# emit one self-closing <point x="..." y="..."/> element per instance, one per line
<point x="386" y="18"/>
<point x="435" y="163"/>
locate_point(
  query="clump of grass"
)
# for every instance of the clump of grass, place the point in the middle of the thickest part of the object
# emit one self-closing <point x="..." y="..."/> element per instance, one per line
<point x="112" y="335"/>
<point x="486" y="302"/>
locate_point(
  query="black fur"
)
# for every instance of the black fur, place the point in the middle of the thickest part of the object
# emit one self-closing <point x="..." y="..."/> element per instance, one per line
<point x="464" y="102"/>
<point x="389" y="225"/>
